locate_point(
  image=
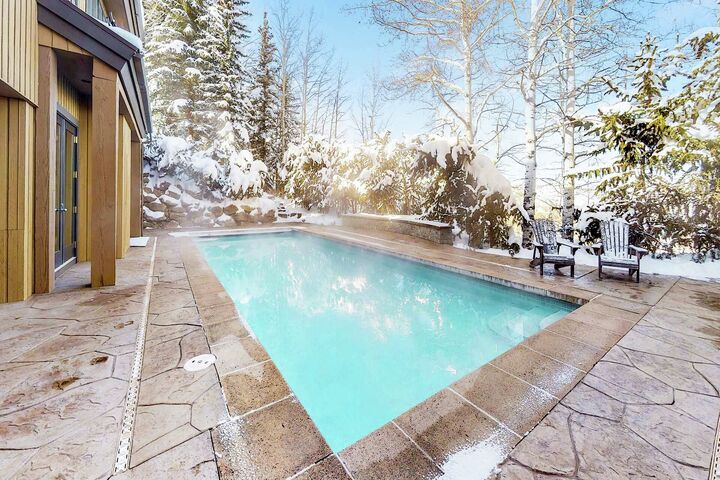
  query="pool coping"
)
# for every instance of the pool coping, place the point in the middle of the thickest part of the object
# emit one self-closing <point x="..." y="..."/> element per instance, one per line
<point x="500" y="402"/>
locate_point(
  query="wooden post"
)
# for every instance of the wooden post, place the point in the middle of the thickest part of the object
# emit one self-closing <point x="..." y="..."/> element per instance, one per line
<point x="45" y="120"/>
<point x="136" y="187"/>
<point x="103" y="157"/>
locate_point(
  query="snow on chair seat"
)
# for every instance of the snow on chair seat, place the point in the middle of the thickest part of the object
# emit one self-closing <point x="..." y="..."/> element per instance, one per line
<point x="547" y="247"/>
<point x="616" y="250"/>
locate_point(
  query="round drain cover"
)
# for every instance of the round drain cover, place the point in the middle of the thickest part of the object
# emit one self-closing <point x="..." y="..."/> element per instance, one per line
<point x="200" y="362"/>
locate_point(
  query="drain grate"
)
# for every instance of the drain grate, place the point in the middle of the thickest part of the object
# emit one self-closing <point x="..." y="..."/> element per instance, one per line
<point x="714" y="467"/>
<point x="201" y="362"/>
<point x="122" y="460"/>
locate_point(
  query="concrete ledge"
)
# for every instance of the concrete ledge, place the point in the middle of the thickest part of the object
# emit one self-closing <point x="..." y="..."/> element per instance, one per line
<point x="437" y="232"/>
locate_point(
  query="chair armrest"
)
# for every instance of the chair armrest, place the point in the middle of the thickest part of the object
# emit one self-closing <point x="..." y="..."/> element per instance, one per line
<point x="537" y="244"/>
<point x="574" y="247"/>
<point x="597" y="248"/>
<point x="639" y="252"/>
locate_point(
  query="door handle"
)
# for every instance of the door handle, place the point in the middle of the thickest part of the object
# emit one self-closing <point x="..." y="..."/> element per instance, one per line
<point x="62" y="209"/>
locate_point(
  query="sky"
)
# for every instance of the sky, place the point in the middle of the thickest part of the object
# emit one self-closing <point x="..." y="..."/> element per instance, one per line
<point x="363" y="46"/>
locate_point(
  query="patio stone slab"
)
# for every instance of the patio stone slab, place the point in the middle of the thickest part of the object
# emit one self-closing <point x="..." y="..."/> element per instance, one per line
<point x="565" y="350"/>
<point x="444" y="425"/>
<point x="225" y="331"/>
<point x="587" y="400"/>
<point x="676" y="435"/>
<point x="191" y="460"/>
<point x="625" y="379"/>
<point x="176" y="386"/>
<point x="550" y="375"/>
<point x="23" y="342"/>
<point x="60" y="415"/>
<point x="515" y="403"/>
<point x="90" y="443"/>
<point x="254" y="387"/>
<point x="676" y="373"/>
<point x="585" y="333"/>
<point x="328" y="468"/>
<point x="273" y="443"/>
<point x="550" y="448"/>
<point x="387" y="453"/>
<point x="236" y="354"/>
<point x="37" y="382"/>
<point x="178" y="316"/>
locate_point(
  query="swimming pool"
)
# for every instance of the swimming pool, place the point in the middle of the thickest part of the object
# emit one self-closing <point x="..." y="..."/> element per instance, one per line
<point x="362" y="336"/>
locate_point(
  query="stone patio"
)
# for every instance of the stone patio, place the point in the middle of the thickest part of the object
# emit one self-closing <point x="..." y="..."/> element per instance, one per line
<point x="630" y="381"/>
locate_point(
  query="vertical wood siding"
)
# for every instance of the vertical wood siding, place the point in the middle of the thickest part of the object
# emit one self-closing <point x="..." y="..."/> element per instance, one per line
<point x="18" y="46"/>
<point x="17" y="152"/>
<point x="123" y="187"/>
<point x="69" y="98"/>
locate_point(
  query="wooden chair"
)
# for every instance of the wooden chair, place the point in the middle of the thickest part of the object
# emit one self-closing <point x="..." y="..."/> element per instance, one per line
<point x="547" y="247"/>
<point x="615" y="249"/>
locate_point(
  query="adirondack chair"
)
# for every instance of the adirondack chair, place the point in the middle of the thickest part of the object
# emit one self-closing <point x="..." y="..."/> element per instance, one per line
<point x="615" y="249"/>
<point x="547" y="247"/>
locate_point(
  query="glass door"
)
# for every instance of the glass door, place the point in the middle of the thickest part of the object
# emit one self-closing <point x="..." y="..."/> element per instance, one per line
<point x="65" y="193"/>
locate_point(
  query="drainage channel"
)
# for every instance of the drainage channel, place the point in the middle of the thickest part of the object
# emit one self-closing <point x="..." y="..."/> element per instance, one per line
<point x="122" y="460"/>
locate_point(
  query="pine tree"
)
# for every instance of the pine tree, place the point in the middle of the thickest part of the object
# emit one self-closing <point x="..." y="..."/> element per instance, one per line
<point x="665" y="180"/>
<point x="172" y="32"/>
<point x="264" y="104"/>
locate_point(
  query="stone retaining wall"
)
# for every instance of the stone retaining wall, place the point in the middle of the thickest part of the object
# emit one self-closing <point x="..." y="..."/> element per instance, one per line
<point x="166" y="205"/>
<point x="435" y="231"/>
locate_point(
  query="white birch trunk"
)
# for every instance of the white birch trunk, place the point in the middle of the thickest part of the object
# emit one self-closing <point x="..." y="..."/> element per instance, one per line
<point x="568" y="205"/>
<point x="529" y="96"/>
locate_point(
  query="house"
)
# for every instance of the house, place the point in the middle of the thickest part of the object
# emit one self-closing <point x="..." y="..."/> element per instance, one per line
<point x="74" y="112"/>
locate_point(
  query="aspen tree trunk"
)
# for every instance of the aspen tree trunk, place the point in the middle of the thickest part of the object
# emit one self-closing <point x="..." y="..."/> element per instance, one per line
<point x="529" y="95"/>
<point x="568" y="204"/>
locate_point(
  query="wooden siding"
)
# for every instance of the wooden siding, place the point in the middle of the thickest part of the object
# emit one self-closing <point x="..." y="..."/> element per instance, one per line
<point x="17" y="152"/>
<point x="69" y="98"/>
<point x="18" y="46"/>
<point x="123" y="187"/>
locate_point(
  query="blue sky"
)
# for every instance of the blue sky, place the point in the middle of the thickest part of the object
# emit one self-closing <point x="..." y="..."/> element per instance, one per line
<point x="362" y="46"/>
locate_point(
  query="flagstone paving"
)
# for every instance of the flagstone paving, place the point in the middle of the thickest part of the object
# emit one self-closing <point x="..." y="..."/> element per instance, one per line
<point x="64" y="368"/>
<point x="648" y="408"/>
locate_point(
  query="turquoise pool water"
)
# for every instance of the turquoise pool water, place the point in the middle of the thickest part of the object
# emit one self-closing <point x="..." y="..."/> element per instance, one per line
<point x="360" y="336"/>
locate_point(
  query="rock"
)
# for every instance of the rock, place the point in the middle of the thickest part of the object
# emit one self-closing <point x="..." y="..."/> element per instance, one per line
<point x="149" y="197"/>
<point x="177" y="209"/>
<point x="164" y="185"/>
<point x="215" y="210"/>
<point x="270" y="214"/>
<point x="177" y="216"/>
<point x="147" y="189"/>
<point x="154" y="216"/>
<point x="174" y="192"/>
<point x="247" y="208"/>
<point x="172" y="224"/>
<point x="230" y="210"/>
<point x="158" y="192"/>
<point x="157" y="206"/>
<point x="241" y="217"/>
<point x="169" y="201"/>
<point x="225" y="221"/>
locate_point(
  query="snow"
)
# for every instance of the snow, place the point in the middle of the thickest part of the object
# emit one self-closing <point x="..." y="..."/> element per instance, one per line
<point x="132" y="39"/>
<point x="681" y="265"/>
<point x="476" y="461"/>
<point x="616" y="108"/>
<point x="153" y="215"/>
<point x="702" y="32"/>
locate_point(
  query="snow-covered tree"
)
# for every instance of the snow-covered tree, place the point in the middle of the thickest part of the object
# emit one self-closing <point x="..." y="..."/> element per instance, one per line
<point x="173" y="28"/>
<point x="665" y="179"/>
<point x="467" y="191"/>
<point x="264" y="103"/>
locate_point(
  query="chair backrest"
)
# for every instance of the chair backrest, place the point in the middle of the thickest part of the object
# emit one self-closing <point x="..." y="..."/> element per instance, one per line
<point x="615" y="237"/>
<point x="545" y="233"/>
